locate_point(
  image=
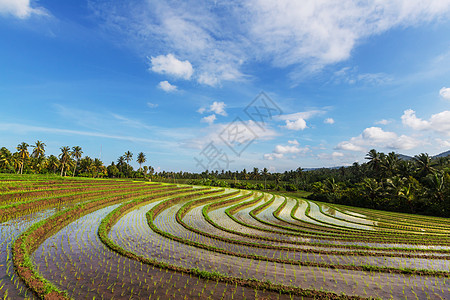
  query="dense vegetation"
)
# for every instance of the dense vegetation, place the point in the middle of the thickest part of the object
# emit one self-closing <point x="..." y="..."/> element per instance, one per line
<point x="419" y="185"/>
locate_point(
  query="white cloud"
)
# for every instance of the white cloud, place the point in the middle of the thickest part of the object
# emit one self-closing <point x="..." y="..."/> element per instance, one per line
<point x="280" y="151"/>
<point x="220" y="39"/>
<point x="169" y="64"/>
<point x="375" y="137"/>
<point x="298" y="124"/>
<point x="383" y="122"/>
<point x="297" y="121"/>
<point x="443" y="143"/>
<point x="445" y="93"/>
<point x="209" y="119"/>
<point x="152" y="105"/>
<point x="218" y="108"/>
<point x="329" y="121"/>
<point x="324" y="32"/>
<point x="352" y="76"/>
<point x="349" y="146"/>
<point x="409" y="119"/>
<point x="167" y="87"/>
<point x="439" y="122"/>
<point x="20" y="8"/>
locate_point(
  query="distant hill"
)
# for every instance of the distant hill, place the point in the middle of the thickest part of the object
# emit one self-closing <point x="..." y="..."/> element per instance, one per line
<point x="407" y="157"/>
<point x="443" y="154"/>
<point x="404" y="157"/>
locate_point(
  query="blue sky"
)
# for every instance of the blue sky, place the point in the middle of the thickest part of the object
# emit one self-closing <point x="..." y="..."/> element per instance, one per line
<point x="173" y="79"/>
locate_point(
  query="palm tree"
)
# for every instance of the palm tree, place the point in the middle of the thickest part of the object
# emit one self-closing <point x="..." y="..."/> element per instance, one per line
<point x="375" y="159"/>
<point x="76" y="153"/>
<point x="389" y="164"/>
<point x="64" y="157"/>
<point x="98" y="166"/>
<point x="5" y="158"/>
<point x="264" y="173"/>
<point x="255" y="173"/>
<point x="87" y="165"/>
<point x="423" y="165"/>
<point x="128" y="156"/>
<point x="141" y="159"/>
<point x="39" y="149"/>
<point x="22" y="148"/>
<point x="52" y="163"/>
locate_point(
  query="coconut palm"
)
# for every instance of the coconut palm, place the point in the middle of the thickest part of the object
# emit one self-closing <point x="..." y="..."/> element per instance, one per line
<point x="5" y="158"/>
<point x="128" y="156"/>
<point x="98" y="166"/>
<point x="389" y="164"/>
<point x="76" y="153"/>
<point x="87" y="165"/>
<point x="255" y="173"/>
<point x="423" y="165"/>
<point x="141" y="159"/>
<point x="39" y="149"/>
<point x="64" y="157"/>
<point x="22" y="149"/>
<point x="52" y="163"/>
<point x="375" y="158"/>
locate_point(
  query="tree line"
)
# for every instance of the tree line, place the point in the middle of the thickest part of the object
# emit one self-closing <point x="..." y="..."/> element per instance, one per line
<point x="420" y="185"/>
<point x="31" y="159"/>
<point x="385" y="181"/>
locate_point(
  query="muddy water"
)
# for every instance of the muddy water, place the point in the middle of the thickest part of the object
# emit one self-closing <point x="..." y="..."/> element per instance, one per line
<point x="10" y="285"/>
<point x="76" y="260"/>
<point x="350" y="282"/>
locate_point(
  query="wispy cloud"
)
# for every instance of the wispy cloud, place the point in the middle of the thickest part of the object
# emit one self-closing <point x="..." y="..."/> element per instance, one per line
<point x="16" y="127"/>
<point x="219" y="38"/>
<point x="21" y="9"/>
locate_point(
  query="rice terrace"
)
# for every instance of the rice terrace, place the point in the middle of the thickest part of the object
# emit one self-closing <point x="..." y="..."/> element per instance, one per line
<point x="205" y="149"/>
<point x="65" y="238"/>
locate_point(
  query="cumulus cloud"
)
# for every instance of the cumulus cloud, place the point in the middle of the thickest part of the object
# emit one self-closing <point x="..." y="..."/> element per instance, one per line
<point x="170" y="65"/>
<point x="167" y="87"/>
<point x="439" y="122"/>
<point x="20" y="8"/>
<point x="209" y="119"/>
<point x="298" y="124"/>
<point x="329" y="121"/>
<point x="217" y="107"/>
<point x="375" y="137"/>
<point x="297" y="121"/>
<point x="445" y="93"/>
<point x="280" y="151"/>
